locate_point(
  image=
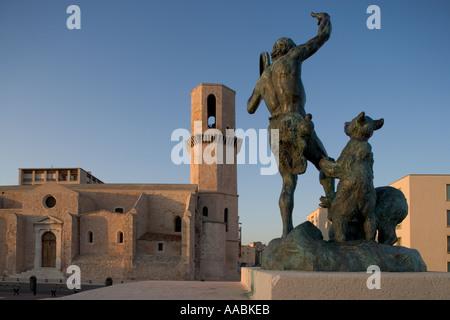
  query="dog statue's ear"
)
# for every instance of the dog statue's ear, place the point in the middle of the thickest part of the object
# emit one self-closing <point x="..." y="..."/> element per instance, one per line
<point x="378" y="124"/>
<point x="361" y="117"/>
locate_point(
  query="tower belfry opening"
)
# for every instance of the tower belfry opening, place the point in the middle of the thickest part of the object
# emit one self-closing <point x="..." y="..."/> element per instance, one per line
<point x="211" y="111"/>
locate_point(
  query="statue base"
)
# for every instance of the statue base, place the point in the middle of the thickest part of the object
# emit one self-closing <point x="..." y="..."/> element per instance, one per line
<point x="307" y="285"/>
<point x="305" y="250"/>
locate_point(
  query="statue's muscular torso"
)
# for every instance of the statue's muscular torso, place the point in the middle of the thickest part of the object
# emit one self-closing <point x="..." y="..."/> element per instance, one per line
<point x="282" y="87"/>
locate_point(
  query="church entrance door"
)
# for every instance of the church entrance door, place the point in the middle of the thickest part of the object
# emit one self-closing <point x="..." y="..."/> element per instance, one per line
<point x="49" y="249"/>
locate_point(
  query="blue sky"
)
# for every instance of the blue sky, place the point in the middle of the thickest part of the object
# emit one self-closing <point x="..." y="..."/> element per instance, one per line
<point x="108" y="97"/>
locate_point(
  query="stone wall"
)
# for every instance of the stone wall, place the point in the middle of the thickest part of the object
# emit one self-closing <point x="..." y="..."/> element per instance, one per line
<point x="95" y="267"/>
<point x="160" y="246"/>
<point x="96" y="201"/>
<point x="105" y="227"/>
<point x="146" y="267"/>
<point x="12" y="239"/>
<point x="11" y="200"/>
<point x="156" y="267"/>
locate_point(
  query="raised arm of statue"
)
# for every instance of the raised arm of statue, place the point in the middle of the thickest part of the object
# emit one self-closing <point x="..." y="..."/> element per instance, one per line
<point x="306" y="50"/>
<point x="255" y="99"/>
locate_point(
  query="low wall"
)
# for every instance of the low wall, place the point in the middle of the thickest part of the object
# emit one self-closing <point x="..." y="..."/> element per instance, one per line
<point x="96" y="267"/>
<point x="310" y="285"/>
<point x="158" y="267"/>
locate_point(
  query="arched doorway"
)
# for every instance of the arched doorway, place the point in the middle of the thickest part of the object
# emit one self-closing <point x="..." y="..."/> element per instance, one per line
<point x="49" y="249"/>
<point x="48" y="235"/>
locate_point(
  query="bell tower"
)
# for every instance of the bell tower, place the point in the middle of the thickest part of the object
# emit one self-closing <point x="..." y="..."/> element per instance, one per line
<point x="213" y="148"/>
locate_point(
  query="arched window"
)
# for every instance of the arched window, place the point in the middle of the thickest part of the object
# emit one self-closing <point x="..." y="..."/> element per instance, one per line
<point x="205" y="211"/>
<point x="225" y="218"/>
<point x="211" y="111"/>
<point x="120" y="237"/>
<point x="118" y="210"/>
<point x="177" y="224"/>
<point x="90" y="237"/>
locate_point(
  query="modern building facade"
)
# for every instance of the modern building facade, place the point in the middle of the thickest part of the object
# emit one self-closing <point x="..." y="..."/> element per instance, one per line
<point x="57" y="217"/>
<point x="427" y="226"/>
<point x="61" y="175"/>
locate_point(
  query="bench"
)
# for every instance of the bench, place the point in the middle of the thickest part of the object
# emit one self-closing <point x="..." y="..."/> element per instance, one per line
<point x="58" y="287"/>
<point x="12" y="285"/>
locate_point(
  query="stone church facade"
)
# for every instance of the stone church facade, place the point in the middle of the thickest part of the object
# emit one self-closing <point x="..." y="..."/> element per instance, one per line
<point x="66" y="216"/>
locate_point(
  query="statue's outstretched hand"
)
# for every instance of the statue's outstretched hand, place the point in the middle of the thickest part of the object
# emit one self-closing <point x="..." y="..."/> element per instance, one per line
<point x="320" y="17"/>
<point x="323" y="22"/>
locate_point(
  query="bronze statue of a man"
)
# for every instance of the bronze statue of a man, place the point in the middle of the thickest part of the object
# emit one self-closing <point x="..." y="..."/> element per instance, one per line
<point x="281" y="87"/>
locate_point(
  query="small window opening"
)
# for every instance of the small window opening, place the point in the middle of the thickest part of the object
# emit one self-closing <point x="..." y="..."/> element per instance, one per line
<point x="211" y="111"/>
<point x="177" y="224"/>
<point x="225" y="219"/>
<point x="205" y="211"/>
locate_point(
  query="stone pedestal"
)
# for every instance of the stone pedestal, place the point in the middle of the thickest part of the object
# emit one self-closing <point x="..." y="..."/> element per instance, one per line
<point x="312" y="285"/>
<point x="304" y="249"/>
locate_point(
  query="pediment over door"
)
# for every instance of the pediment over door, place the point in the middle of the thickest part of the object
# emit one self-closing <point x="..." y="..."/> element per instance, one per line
<point x="49" y="220"/>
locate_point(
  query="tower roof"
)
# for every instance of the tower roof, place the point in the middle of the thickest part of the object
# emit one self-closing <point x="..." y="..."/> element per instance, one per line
<point x="212" y="84"/>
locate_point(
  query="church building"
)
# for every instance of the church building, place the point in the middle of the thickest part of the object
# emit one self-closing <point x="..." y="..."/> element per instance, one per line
<point x="60" y="217"/>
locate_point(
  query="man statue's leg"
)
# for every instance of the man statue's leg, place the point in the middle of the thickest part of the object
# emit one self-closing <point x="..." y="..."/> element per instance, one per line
<point x="314" y="152"/>
<point x="328" y="186"/>
<point x="286" y="201"/>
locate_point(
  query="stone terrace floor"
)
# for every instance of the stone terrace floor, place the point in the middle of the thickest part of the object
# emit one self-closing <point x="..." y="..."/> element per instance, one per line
<point x="166" y="290"/>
